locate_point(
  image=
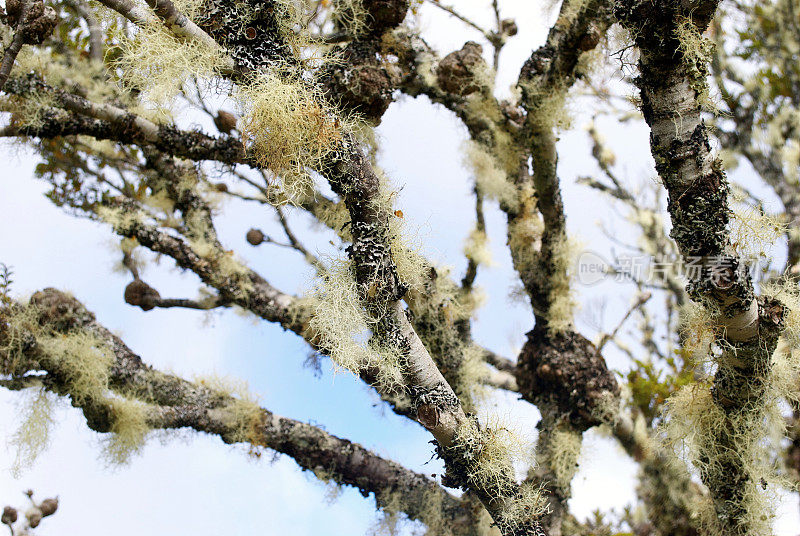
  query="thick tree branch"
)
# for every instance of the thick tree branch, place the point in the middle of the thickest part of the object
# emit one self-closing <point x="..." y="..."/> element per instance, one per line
<point x="545" y="80"/>
<point x="172" y="402"/>
<point x="673" y="83"/>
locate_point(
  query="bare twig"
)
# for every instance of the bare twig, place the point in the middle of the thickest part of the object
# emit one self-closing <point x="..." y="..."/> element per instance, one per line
<point x="637" y="304"/>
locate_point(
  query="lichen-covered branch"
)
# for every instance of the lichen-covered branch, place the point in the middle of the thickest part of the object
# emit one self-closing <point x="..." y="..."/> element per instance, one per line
<point x="33" y="22"/>
<point x="437" y="406"/>
<point x="77" y="115"/>
<point x="165" y="401"/>
<point x="673" y="70"/>
<point x="545" y="80"/>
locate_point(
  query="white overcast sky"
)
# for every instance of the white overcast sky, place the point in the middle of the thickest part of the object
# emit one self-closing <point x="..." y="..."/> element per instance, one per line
<point x="194" y="484"/>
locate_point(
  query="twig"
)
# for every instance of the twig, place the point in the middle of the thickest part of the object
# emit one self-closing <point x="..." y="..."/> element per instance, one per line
<point x="296" y="244"/>
<point x="460" y="17"/>
<point x="10" y="54"/>
<point x="640" y="301"/>
<point x="95" y="31"/>
<point x="209" y="303"/>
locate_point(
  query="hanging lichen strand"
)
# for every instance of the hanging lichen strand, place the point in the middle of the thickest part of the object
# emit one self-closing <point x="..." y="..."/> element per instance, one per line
<point x="51" y="326"/>
<point x="728" y="421"/>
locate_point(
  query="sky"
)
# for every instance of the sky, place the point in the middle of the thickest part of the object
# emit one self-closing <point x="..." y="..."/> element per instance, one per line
<point x="194" y="484"/>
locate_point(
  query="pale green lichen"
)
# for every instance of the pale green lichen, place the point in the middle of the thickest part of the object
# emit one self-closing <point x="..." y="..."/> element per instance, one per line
<point x="32" y="436"/>
<point x="696" y="52"/>
<point x="697" y="330"/>
<point x="412" y="268"/>
<point x="244" y="416"/>
<point x="129" y="430"/>
<point x="561" y="455"/>
<point x="344" y="330"/>
<point x="787" y="292"/>
<point x="157" y="63"/>
<point x="560" y="314"/>
<point x="490" y="178"/>
<point x="547" y="109"/>
<point x="476" y="248"/>
<point x="497" y="142"/>
<point x="698" y="428"/>
<point x="486" y="452"/>
<point x="82" y="361"/>
<point x="754" y="231"/>
<point x="288" y="127"/>
<point x="351" y="16"/>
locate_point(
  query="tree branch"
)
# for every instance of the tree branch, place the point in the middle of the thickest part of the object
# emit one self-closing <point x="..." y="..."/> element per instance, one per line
<point x="673" y="83"/>
<point x="172" y="402"/>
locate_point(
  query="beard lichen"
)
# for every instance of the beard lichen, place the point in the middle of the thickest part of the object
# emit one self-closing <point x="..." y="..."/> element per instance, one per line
<point x="697" y="330"/>
<point x="481" y="457"/>
<point x="491" y="179"/>
<point x="129" y="430"/>
<point x="440" y="311"/>
<point x="412" y="268"/>
<point x="746" y="440"/>
<point x="476" y="248"/>
<point x="32" y="436"/>
<point x="753" y="231"/>
<point x="787" y="292"/>
<point x="525" y="234"/>
<point x="57" y="70"/>
<point x="228" y="268"/>
<point x="696" y="51"/>
<point x="30" y="110"/>
<point x="119" y="218"/>
<point x="158" y="64"/>
<point x="82" y="359"/>
<point x="350" y="16"/>
<point x="244" y="416"/>
<point x="562" y="300"/>
<point x="546" y="111"/>
<point x="561" y="454"/>
<point x="288" y="127"/>
<point x="344" y="329"/>
<point x="81" y="362"/>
